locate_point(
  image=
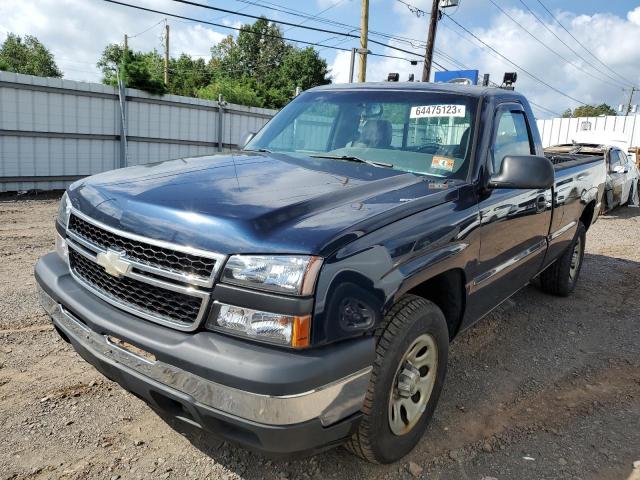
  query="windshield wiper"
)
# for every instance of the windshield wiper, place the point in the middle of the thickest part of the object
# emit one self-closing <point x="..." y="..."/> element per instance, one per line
<point x="260" y="150"/>
<point x="353" y="158"/>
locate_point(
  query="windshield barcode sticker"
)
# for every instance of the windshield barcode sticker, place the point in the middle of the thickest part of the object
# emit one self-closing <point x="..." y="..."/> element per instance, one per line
<point x="430" y="111"/>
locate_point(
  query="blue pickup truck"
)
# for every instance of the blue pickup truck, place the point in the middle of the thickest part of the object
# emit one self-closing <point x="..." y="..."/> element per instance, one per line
<point x="302" y="293"/>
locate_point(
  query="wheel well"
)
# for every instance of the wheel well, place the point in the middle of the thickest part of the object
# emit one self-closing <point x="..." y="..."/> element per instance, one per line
<point x="446" y="290"/>
<point x="587" y="214"/>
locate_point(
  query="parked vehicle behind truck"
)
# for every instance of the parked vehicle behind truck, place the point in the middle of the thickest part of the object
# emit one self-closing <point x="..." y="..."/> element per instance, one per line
<point x="302" y="293"/>
<point x="621" y="186"/>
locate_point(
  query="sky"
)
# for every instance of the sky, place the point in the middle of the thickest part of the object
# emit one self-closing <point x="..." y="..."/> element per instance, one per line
<point x="555" y="70"/>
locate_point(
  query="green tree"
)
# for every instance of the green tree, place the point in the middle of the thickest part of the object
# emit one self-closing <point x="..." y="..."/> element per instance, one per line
<point x="261" y="59"/>
<point x="139" y="70"/>
<point x="27" y="56"/>
<point x="257" y="69"/>
<point x="232" y="91"/>
<point x="590" y="111"/>
<point x="187" y="76"/>
<point x="304" y="68"/>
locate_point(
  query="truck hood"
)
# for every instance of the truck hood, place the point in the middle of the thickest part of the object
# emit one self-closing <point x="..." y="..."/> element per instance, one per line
<point x="255" y="202"/>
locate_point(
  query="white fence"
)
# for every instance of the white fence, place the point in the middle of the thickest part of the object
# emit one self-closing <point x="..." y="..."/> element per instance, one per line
<point x="556" y="131"/>
<point x="55" y="131"/>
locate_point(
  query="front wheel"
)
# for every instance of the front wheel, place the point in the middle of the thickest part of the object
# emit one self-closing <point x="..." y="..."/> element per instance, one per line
<point x="407" y="377"/>
<point x="562" y="276"/>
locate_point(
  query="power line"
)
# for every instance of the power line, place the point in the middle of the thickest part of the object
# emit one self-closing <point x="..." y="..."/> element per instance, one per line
<point x="146" y="30"/>
<point x="239" y="29"/>
<point x="535" y="77"/>
<point x="297" y="13"/>
<point x="578" y="67"/>
<point x="540" y="107"/>
<point x="418" y="12"/>
<point x="565" y="43"/>
<point x="301" y="14"/>
<point x="578" y="41"/>
<point x="255" y="17"/>
<point x="282" y="22"/>
<point x="317" y="15"/>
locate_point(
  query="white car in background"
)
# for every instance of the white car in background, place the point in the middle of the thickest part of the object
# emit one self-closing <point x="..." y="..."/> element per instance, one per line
<point x="622" y="173"/>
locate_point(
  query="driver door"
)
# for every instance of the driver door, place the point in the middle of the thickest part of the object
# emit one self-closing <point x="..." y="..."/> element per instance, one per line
<point x="514" y="222"/>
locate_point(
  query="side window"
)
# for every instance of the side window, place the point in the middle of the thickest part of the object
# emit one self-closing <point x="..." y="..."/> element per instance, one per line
<point x="624" y="160"/>
<point x="614" y="159"/>
<point x="511" y="137"/>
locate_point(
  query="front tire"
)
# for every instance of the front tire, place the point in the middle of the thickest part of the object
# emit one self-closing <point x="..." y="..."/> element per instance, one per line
<point x="562" y="276"/>
<point x="406" y="381"/>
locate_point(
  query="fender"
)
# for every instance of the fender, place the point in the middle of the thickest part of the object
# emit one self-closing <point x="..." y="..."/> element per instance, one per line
<point x="360" y="282"/>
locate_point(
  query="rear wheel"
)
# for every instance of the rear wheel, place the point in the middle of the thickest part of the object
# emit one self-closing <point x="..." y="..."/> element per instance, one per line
<point x="562" y="276"/>
<point x="406" y="381"/>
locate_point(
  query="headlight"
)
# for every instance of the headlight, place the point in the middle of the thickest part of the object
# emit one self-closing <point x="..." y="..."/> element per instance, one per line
<point x="62" y="248"/>
<point x="289" y="330"/>
<point x="64" y="210"/>
<point x="294" y="275"/>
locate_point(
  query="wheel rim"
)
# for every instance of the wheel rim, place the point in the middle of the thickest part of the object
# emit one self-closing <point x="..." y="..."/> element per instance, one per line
<point x="576" y="257"/>
<point x="413" y="384"/>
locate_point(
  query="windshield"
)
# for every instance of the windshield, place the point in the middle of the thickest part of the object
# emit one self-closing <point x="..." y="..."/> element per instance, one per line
<point x="421" y="132"/>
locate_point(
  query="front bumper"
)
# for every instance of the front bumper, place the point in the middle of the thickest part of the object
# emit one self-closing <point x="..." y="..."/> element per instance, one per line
<point x="209" y="380"/>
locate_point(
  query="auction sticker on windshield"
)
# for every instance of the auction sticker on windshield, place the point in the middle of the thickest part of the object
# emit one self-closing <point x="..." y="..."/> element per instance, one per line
<point x="431" y="111"/>
<point x="443" y="163"/>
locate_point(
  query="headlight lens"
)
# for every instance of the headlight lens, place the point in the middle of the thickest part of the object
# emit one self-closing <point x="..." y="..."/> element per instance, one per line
<point x="62" y="248"/>
<point x="64" y="210"/>
<point x="294" y="275"/>
<point x="289" y="330"/>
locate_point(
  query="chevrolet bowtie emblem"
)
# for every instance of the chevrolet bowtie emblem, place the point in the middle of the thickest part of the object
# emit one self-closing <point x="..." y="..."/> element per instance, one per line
<point x="113" y="262"/>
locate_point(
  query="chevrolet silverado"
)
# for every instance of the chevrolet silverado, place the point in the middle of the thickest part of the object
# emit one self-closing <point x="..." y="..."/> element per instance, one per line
<point x="302" y="293"/>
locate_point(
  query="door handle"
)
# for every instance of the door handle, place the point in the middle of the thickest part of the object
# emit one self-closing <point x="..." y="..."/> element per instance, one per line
<point x="541" y="203"/>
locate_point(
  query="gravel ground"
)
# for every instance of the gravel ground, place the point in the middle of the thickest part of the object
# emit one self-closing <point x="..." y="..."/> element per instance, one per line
<point x="544" y="387"/>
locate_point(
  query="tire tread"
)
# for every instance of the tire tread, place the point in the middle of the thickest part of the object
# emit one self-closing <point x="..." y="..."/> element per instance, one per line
<point x="555" y="279"/>
<point x="398" y="317"/>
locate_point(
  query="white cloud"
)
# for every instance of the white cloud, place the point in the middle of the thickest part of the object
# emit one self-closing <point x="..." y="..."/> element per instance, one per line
<point x="76" y="31"/>
<point x="634" y="16"/>
<point x="611" y="38"/>
<point x="340" y="68"/>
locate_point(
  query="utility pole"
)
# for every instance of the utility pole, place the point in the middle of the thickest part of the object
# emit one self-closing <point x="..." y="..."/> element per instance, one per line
<point x="364" y="33"/>
<point x="353" y="60"/>
<point x="166" y="54"/>
<point x="126" y="43"/>
<point x="633" y="90"/>
<point x="431" y="40"/>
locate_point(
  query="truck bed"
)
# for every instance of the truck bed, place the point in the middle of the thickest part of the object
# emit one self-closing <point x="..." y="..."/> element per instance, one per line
<point x="563" y="161"/>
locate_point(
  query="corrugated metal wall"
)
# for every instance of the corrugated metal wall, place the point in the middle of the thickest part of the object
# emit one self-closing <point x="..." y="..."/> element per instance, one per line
<point x="556" y="131"/>
<point x="53" y="131"/>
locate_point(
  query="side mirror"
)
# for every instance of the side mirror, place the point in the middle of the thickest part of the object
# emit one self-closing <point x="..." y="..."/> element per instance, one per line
<point x="524" y="172"/>
<point x="619" y="169"/>
<point x="247" y="138"/>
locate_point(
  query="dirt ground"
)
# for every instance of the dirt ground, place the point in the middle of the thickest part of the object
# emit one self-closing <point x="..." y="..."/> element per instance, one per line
<point x="543" y="388"/>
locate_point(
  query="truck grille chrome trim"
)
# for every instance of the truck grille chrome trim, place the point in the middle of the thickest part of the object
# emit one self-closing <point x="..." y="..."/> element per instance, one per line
<point x="161" y="295"/>
<point x="177" y="262"/>
<point x="132" y="307"/>
<point x="330" y="403"/>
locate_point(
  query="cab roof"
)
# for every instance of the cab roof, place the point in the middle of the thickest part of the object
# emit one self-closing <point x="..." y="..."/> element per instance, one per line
<point x="468" y="90"/>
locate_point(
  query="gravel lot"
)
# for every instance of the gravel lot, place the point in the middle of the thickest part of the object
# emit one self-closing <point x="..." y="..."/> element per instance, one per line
<point x="543" y="388"/>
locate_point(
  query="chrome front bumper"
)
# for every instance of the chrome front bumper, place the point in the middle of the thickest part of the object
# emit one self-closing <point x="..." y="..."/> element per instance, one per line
<point x="329" y="403"/>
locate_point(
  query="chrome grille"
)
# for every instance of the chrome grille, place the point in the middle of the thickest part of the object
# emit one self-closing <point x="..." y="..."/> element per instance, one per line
<point x="146" y="253"/>
<point x="165" y="283"/>
<point x="159" y="302"/>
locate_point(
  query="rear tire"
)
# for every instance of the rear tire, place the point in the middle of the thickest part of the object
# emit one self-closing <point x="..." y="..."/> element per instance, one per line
<point x="561" y="277"/>
<point x="405" y="384"/>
